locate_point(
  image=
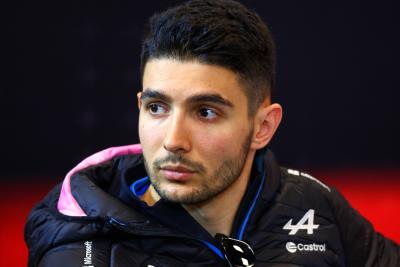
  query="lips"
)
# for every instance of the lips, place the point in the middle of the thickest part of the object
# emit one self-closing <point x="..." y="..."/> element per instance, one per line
<point x="177" y="173"/>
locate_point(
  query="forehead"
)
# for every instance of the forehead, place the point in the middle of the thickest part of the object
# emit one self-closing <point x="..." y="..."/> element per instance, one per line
<point x="182" y="79"/>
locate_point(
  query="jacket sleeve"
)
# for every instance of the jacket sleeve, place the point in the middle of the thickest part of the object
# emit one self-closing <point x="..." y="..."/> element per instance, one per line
<point x="83" y="253"/>
<point x="363" y="245"/>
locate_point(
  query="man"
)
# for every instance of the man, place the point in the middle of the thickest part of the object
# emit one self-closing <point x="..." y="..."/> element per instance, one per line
<point x="201" y="189"/>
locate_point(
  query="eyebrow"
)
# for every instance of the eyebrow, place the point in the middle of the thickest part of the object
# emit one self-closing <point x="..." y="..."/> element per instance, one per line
<point x="150" y="93"/>
<point x="211" y="98"/>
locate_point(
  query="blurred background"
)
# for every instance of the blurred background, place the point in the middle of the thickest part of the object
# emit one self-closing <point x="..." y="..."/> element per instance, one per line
<point x="72" y="73"/>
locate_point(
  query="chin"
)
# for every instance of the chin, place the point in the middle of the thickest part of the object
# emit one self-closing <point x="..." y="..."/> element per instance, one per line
<point x="182" y="195"/>
<point x="176" y="195"/>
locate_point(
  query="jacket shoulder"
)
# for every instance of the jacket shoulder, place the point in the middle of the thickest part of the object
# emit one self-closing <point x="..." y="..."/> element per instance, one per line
<point x="303" y="191"/>
<point x="361" y="244"/>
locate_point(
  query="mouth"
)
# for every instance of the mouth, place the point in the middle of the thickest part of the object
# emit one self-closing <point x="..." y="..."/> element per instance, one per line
<point x="177" y="173"/>
<point x="177" y="168"/>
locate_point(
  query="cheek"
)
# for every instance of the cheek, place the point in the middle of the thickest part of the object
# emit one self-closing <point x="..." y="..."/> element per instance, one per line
<point x="213" y="144"/>
<point x="149" y="136"/>
<point x="222" y="143"/>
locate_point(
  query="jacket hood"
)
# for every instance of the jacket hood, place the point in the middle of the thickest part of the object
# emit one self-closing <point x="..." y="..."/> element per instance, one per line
<point x="67" y="203"/>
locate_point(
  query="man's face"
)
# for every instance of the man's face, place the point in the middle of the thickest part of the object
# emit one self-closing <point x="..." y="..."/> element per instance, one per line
<point x="194" y="129"/>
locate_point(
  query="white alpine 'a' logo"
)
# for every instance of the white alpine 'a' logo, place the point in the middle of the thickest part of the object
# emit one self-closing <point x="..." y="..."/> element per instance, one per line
<point x="305" y="223"/>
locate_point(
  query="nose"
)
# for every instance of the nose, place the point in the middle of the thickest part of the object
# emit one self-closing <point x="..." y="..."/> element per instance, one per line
<point x="177" y="137"/>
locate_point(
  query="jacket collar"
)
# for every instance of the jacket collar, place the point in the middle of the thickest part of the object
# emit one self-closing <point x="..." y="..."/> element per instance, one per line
<point x="262" y="187"/>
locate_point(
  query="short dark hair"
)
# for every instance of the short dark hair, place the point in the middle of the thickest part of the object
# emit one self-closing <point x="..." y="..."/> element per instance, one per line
<point x="216" y="32"/>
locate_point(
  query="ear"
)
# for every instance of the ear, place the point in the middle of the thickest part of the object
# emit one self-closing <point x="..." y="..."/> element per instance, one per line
<point x="139" y="100"/>
<point x="266" y="122"/>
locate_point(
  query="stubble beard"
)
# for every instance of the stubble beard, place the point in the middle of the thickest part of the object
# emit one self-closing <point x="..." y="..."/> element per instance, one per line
<point x="225" y="175"/>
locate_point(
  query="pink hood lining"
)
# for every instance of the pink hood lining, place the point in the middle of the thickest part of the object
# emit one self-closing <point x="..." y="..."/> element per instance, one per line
<point x="67" y="204"/>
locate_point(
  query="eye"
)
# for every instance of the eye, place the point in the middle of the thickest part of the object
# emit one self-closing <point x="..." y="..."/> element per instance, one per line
<point x="207" y="113"/>
<point x="156" y="109"/>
